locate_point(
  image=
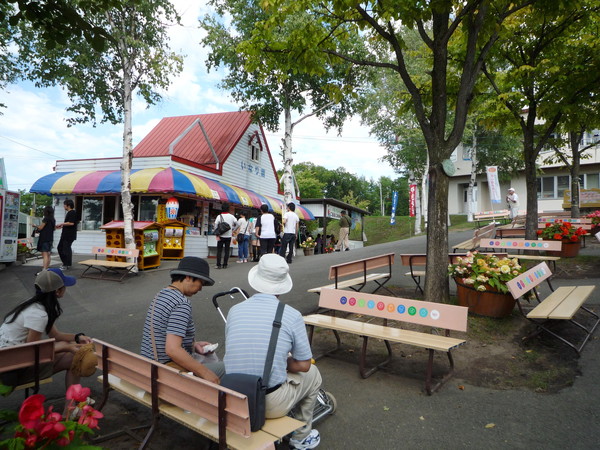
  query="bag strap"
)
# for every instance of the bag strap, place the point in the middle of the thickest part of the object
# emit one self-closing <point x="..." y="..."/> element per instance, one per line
<point x="273" y="343"/>
<point x="152" y="330"/>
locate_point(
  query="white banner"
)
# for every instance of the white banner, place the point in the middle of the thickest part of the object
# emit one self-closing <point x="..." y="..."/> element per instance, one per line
<point x="493" y="184"/>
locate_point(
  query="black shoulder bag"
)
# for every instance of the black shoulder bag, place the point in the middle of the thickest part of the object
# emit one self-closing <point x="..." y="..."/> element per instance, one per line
<point x="223" y="226"/>
<point x="253" y="386"/>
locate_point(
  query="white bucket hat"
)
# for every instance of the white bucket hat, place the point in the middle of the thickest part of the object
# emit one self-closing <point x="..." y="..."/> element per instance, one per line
<point x="271" y="275"/>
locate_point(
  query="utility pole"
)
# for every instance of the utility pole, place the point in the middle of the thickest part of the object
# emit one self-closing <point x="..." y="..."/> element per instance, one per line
<point x="381" y="199"/>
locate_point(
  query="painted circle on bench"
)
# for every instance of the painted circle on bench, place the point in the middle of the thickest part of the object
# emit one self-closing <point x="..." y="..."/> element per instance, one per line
<point x="371" y="304"/>
<point x="352" y="301"/>
<point x="401" y="309"/>
<point x="343" y="300"/>
<point x="361" y="303"/>
<point x="380" y="306"/>
<point x="391" y="307"/>
<point x="412" y="310"/>
<point x="423" y="312"/>
<point x="435" y="314"/>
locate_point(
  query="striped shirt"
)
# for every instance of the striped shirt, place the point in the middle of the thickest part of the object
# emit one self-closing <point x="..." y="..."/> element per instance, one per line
<point x="248" y="332"/>
<point x="172" y="315"/>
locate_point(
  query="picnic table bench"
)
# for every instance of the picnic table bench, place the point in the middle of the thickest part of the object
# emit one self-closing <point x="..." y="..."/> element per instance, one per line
<point x="481" y="233"/>
<point x="428" y="314"/>
<point x="209" y="409"/>
<point x="31" y="354"/>
<point x="117" y="265"/>
<point x="485" y="216"/>
<point x="559" y="307"/>
<point x="362" y="267"/>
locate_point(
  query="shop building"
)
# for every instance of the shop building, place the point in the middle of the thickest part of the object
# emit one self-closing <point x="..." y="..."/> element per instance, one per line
<point x="200" y="160"/>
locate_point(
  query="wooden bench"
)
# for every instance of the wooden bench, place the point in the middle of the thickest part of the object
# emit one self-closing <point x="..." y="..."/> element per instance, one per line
<point x="117" y="265"/>
<point x="481" y="233"/>
<point x="434" y="315"/>
<point x="30" y="354"/>
<point x="485" y="216"/>
<point x="560" y="306"/>
<point x="361" y="266"/>
<point x="213" y="411"/>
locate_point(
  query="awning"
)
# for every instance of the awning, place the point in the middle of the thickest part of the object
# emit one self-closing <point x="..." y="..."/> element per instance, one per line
<point x="157" y="180"/>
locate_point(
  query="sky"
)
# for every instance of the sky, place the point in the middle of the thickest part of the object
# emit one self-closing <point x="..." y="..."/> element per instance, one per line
<point x="34" y="132"/>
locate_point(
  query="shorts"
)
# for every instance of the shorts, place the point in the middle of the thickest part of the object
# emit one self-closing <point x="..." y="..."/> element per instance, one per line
<point x="44" y="246"/>
<point x="26" y="374"/>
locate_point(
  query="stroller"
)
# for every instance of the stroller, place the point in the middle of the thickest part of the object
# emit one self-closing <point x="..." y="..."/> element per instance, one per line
<point x="326" y="403"/>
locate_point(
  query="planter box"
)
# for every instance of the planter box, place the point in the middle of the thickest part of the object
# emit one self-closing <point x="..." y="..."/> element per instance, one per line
<point x="485" y="303"/>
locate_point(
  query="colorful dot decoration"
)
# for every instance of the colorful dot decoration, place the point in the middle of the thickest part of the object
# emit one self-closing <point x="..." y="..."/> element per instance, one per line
<point x="526" y="244"/>
<point x="400" y="309"/>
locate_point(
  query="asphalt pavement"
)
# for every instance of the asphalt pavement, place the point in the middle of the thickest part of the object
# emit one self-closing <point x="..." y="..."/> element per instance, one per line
<point x="387" y="410"/>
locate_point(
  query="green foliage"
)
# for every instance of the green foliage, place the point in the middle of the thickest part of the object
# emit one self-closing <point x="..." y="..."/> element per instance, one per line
<point x="27" y="201"/>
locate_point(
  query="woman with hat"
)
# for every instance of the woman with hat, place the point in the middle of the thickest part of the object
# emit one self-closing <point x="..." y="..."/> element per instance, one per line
<point x="33" y="318"/>
<point x="169" y="331"/>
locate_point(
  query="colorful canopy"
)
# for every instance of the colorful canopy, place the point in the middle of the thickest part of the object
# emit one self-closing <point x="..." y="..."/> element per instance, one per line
<point x="159" y="180"/>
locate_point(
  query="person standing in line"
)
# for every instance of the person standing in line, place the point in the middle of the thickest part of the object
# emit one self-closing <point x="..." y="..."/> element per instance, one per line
<point x="343" y="242"/>
<point x="169" y="330"/>
<point x="46" y="237"/>
<point x="265" y="230"/>
<point x="243" y="237"/>
<point x="224" y="241"/>
<point x="512" y="201"/>
<point x="294" y="382"/>
<point x="291" y="223"/>
<point x="254" y="241"/>
<point x="68" y="235"/>
<point x="33" y="318"/>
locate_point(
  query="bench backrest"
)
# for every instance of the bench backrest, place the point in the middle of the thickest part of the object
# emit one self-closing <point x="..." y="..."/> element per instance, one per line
<point x="24" y="355"/>
<point x="528" y="280"/>
<point x="166" y="384"/>
<point x="585" y="225"/>
<point x="573" y="220"/>
<point x="491" y="214"/>
<point x="420" y="312"/>
<point x="110" y="251"/>
<point x="414" y="259"/>
<point x="483" y="233"/>
<point x="361" y="266"/>
<point x="523" y="244"/>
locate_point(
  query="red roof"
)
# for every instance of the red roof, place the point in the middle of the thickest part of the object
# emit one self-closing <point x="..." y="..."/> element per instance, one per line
<point x="223" y="129"/>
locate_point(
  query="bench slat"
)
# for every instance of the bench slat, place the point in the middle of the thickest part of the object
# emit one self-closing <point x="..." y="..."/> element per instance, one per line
<point x="361" y="266"/>
<point x="562" y="303"/>
<point x="424" y="340"/>
<point x="100" y="262"/>
<point x="352" y="282"/>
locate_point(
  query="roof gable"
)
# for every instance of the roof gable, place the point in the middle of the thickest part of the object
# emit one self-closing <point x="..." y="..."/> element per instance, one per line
<point x="223" y="129"/>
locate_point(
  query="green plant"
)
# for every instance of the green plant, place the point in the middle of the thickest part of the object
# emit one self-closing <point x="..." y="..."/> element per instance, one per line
<point x="22" y="248"/>
<point x="560" y="230"/>
<point x="483" y="271"/>
<point x="308" y="243"/>
<point x="41" y="428"/>
<point x="595" y="216"/>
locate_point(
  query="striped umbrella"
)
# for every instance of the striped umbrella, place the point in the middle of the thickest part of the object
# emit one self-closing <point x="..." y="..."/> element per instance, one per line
<point x="159" y="180"/>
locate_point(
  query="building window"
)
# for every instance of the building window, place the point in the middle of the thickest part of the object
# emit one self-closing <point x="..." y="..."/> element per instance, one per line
<point x="255" y="147"/>
<point x="553" y="187"/>
<point x="592" y="181"/>
<point x="91" y="213"/>
<point x="147" y="208"/>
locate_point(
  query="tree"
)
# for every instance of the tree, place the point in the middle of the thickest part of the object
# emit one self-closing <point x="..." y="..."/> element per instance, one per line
<point x="101" y="84"/>
<point x="367" y="34"/>
<point x="543" y="68"/>
<point x="258" y="82"/>
<point x="33" y="203"/>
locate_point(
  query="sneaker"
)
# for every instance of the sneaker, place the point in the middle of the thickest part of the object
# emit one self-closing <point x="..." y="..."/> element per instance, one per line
<point x="241" y="261"/>
<point x="65" y="267"/>
<point x="225" y="266"/>
<point x="217" y="267"/>
<point x="310" y="441"/>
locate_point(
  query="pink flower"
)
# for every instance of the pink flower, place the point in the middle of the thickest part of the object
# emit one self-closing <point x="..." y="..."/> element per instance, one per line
<point x="78" y="393"/>
<point x="90" y="416"/>
<point x="51" y="430"/>
<point x="66" y="440"/>
<point x="31" y="411"/>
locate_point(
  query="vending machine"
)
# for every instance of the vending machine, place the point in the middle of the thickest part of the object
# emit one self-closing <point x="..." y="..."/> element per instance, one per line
<point x="9" y="225"/>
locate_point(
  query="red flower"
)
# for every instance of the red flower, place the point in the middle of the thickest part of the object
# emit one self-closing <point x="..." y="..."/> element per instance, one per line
<point x="31" y="411"/>
<point x="558" y="237"/>
<point x="51" y="430"/>
<point x="575" y="238"/>
<point x="78" y="393"/>
<point x="540" y="232"/>
<point x="90" y="416"/>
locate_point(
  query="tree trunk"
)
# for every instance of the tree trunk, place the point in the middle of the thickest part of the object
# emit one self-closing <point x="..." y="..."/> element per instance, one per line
<point x="574" y="140"/>
<point x="436" y="281"/>
<point x="472" y="180"/>
<point x="531" y="183"/>
<point x="288" y="158"/>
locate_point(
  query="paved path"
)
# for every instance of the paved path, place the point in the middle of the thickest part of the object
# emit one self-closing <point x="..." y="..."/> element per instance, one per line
<point x="384" y="411"/>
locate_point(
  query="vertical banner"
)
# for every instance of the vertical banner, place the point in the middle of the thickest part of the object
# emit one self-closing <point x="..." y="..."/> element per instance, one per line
<point x="394" y="205"/>
<point x="412" y="200"/>
<point x="493" y="184"/>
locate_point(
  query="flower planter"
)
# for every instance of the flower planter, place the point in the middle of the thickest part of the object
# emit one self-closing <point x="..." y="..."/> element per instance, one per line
<point x="308" y="251"/>
<point x="569" y="250"/>
<point x="485" y="303"/>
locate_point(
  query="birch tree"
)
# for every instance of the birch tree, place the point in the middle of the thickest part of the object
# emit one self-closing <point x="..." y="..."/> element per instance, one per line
<point x="101" y="85"/>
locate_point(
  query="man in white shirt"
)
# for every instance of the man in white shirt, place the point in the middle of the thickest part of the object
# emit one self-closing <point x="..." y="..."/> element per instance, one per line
<point x="291" y="222"/>
<point x="224" y="240"/>
<point x="265" y="230"/>
<point x="512" y="200"/>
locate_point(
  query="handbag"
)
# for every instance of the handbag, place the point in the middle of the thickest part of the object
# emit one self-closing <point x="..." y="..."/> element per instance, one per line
<point x="223" y="227"/>
<point x="254" y="387"/>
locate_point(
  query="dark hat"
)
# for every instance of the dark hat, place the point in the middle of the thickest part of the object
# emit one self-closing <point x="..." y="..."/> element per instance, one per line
<point x="196" y="268"/>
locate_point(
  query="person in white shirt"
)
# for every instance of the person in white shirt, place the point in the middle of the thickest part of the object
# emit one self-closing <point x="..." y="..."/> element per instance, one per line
<point x="291" y="222"/>
<point x="265" y="230"/>
<point x="512" y="200"/>
<point x="243" y="237"/>
<point x="224" y="241"/>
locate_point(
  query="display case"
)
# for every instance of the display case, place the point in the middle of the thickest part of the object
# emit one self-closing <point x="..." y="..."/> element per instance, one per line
<point x="147" y="241"/>
<point x="172" y="242"/>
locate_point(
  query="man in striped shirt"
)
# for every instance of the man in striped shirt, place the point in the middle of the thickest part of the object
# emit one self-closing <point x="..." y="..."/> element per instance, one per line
<point x="294" y="382"/>
<point x="169" y="331"/>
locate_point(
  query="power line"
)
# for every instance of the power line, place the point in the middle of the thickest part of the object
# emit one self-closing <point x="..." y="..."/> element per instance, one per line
<point x="30" y="147"/>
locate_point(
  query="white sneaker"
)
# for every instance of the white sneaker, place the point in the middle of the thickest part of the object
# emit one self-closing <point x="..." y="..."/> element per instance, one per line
<point x="310" y="441"/>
